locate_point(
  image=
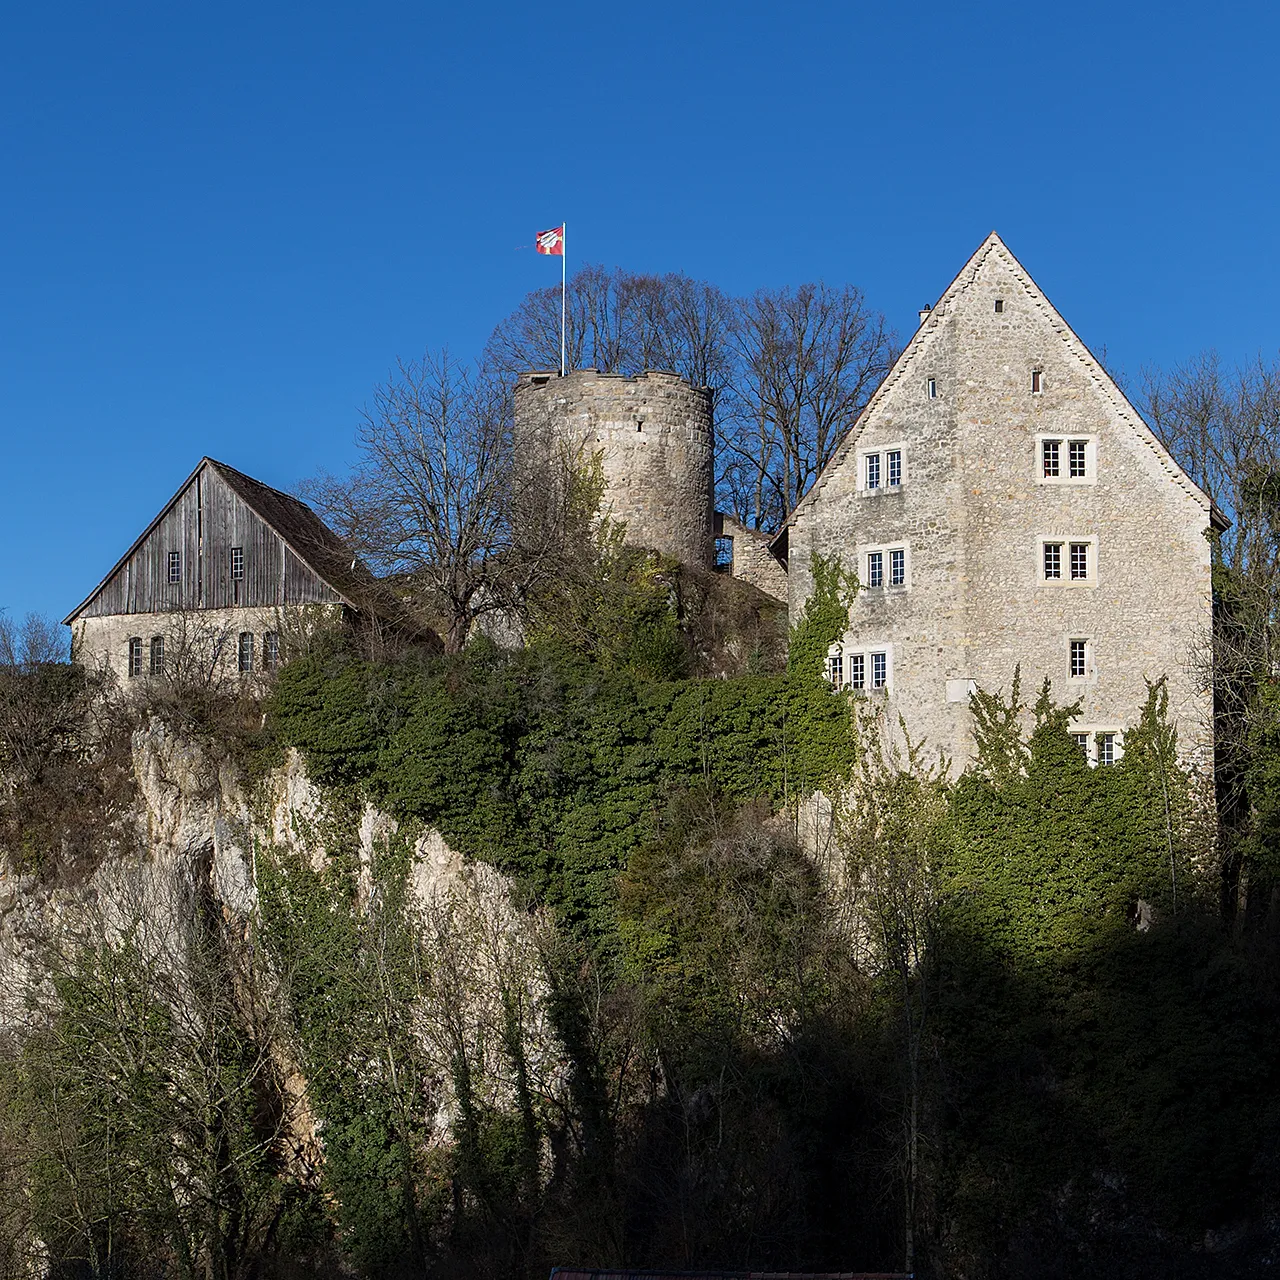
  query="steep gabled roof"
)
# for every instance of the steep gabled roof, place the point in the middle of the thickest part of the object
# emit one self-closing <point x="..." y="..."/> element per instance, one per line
<point x="922" y="339"/>
<point x="302" y="531"/>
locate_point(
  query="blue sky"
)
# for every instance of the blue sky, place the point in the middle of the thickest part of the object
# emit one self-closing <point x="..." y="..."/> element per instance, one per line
<point x="221" y="224"/>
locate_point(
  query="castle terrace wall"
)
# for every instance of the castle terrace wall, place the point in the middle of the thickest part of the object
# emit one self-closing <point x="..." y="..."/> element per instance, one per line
<point x="753" y="562"/>
<point x="653" y="434"/>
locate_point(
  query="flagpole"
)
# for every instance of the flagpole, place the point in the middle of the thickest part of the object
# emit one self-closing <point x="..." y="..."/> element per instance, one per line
<point x="564" y="231"/>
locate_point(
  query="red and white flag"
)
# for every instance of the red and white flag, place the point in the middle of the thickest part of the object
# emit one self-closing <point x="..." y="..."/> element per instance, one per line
<point x="551" y="241"/>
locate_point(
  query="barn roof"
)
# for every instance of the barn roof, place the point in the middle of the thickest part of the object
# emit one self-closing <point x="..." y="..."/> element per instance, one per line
<point x="306" y="535"/>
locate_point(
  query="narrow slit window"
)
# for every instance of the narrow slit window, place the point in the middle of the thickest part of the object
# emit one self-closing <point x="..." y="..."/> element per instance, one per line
<point x="1051" y="458"/>
<point x="897" y="568"/>
<point x="1053" y="560"/>
<point x="237" y="564"/>
<point x="175" y="566"/>
<point x="893" y="464"/>
<point x="135" y="656"/>
<point x="157" y="655"/>
<point x="1079" y="666"/>
<point x="270" y="650"/>
<point x="875" y="568"/>
<point x="1079" y="561"/>
<point x="1076" y="459"/>
<point x="245" y="652"/>
<point x="879" y="670"/>
<point x="1037" y="382"/>
<point x="873" y="471"/>
<point x="999" y="306"/>
<point x="931" y="388"/>
<point x="1106" y="743"/>
<point x="857" y="671"/>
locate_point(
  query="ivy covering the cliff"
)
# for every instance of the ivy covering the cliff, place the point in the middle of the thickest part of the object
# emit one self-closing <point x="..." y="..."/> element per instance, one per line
<point x="553" y="767"/>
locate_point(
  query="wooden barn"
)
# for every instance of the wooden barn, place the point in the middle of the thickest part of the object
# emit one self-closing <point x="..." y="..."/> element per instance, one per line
<point x="231" y="563"/>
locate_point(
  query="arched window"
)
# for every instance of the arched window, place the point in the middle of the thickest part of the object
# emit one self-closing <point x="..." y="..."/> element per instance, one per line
<point x="157" y="655"/>
<point x="246" y="651"/>
<point x="135" y="656"/>
<point x="270" y="650"/>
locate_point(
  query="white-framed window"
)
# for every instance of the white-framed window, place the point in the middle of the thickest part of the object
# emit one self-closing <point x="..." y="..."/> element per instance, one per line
<point x="882" y="469"/>
<point x="931" y="388"/>
<point x="1066" y="459"/>
<point x="1066" y="559"/>
<point x="135" y="656"/>
<point x="237" y="564"/>
<point x="1077" y="659"/>
<point x="1099" y="744"/>
<point x="175" y="566"/>
<point x="157" y="655"/>
<point x="270" y="650"/>
<point x="879" y="669"/>
<point x="866" y="668"/>
<point x="244" y="652"/>
<point x="887" y="566"/>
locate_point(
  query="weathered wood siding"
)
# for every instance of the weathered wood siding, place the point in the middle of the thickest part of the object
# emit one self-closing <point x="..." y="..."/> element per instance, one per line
<point x="205" y="521"/>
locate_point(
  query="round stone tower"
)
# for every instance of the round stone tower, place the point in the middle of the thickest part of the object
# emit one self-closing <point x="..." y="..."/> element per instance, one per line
<point x="653" y="435"/>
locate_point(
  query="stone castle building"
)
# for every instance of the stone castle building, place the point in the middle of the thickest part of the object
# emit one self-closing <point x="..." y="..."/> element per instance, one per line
<point x="1004" y="505"/>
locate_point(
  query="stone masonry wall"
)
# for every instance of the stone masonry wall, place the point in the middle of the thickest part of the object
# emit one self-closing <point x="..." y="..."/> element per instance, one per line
<point x="654" y="435"/>
<point x="974" y="510"/>
<point x="753" y="562"/>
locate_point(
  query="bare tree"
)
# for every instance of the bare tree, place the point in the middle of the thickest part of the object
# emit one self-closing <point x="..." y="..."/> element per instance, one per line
<point x="811" y="357"/>
<point x="438" y="500"/>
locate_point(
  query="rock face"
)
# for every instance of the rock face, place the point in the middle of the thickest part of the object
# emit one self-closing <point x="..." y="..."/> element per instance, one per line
<point x="193" y="843"/>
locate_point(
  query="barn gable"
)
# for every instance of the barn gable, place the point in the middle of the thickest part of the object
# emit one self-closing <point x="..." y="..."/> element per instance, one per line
<point x="284" y="553"/>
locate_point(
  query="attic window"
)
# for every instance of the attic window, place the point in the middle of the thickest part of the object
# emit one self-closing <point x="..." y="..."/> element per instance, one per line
<point x="931" y="388"/>
<point x="1037" y="382"/>
<point x="175" y="566"/>
<point x="237" y="564"/>
<point x="999" y="306"/>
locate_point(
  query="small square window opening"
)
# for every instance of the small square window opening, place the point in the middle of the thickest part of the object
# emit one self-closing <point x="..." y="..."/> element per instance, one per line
<point x="857" y="671"/>
<point x="897" y="568"/>
<point x="1051" y="457"/>
<point x="237" y="564"/>
<point x="999" y="306"/>
<point x="135" y="656"/>
<point x="1078" y="659"/>
<point x="1079" y="561"/>
<point x="1076" y="459"/>
<point x="893" y="463"/>
<point x="873" y="471"/>
<point x="879" y="670"/>
<point x="875" y="568"/>
<point x="175" y="566"/>
<point x="157" y="655"/>
<point x="245" y="651"/>
<point x="1053" y="560"/>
